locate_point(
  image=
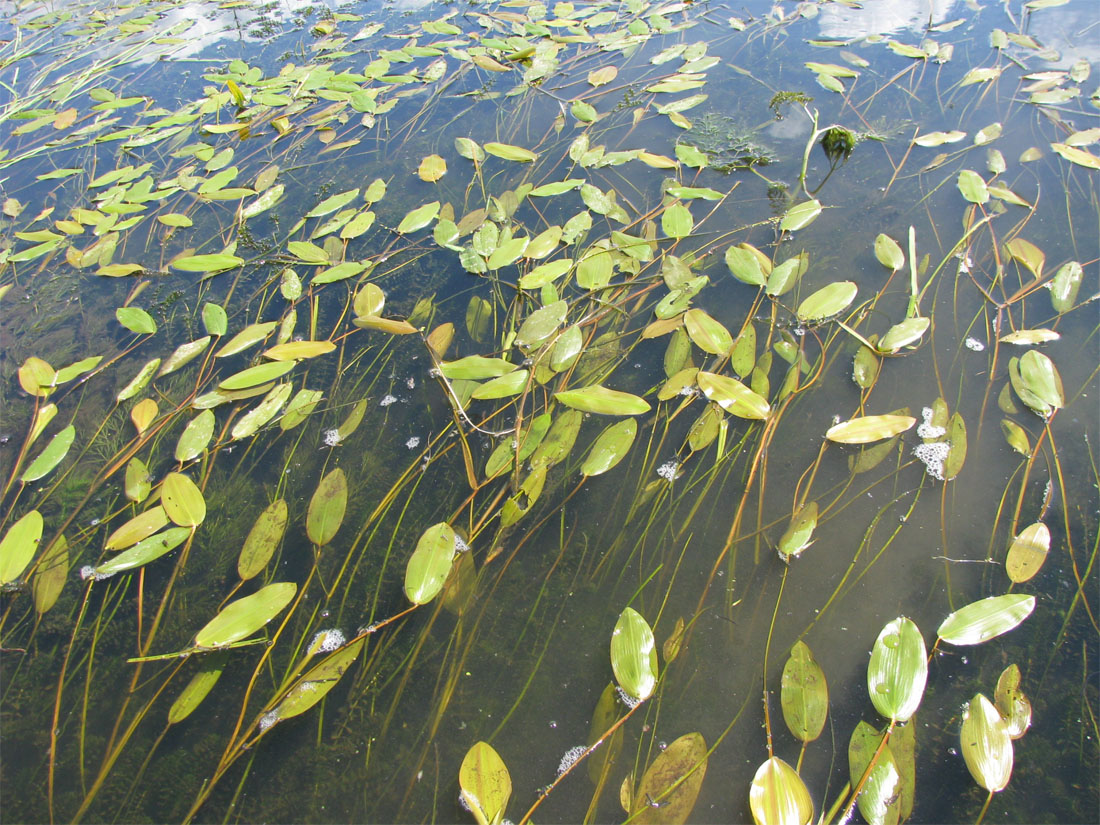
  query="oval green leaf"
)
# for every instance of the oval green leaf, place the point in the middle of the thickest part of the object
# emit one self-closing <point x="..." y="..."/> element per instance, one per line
<point x="778" y="796"/>
<point x="868" y="428"/>
<point x="182" y="500"/>
<point x="827" y="301"/>
<point x="986" y="745"/>
<point x="195" y="437"/>
<point x="259" y="374"/>
<point x="670" y="786"/>
<point x="610" y="447"/>
<point x="898" y="670"/>
<point x="147" y="550"/>
<point x="430" y="563"/>
<point x="200" y="685"/>
<point x="476" y="368"/>
<point x="206" y="263"/>
<point x="419" y="218"/>
<point x="485" y="784"/>
<point x="326" y="508"/>
<point x="1028" y="552"/>
<point x="244" y="617"/>
<point x="986" y="619"/>
<point x="603" y="401"/>
<point x="804" y="694"/>
<point x="312" y="686"/>
<point x="136" y="320"/>
<point x="733" y="396"/>
<point x="265" y="535"/>
<point x="634" y="655"/>
<point x="50" y="457"/>
<point x="19" y="545"/>
<point x="800" y="215"/>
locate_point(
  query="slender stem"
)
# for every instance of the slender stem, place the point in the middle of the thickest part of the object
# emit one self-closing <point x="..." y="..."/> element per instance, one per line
<point x="985" y="807"/>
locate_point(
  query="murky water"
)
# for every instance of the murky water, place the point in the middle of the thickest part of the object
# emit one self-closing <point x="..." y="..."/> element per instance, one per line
<point x="515" y="649"/>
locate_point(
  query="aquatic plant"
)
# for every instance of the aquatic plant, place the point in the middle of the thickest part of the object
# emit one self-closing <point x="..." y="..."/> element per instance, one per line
<point x="396" y="404"/>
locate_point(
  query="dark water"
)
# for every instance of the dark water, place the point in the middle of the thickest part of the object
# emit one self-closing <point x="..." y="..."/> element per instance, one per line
<point x="523" y="664"/>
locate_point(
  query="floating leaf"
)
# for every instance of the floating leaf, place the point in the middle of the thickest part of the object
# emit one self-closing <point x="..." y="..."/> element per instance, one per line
<point x="634" y="655"/>
<point x="938" y="139"/>
<point x="509" y="152"/>
<point x="148" y="549"/>
<point x="419" y="218"/>
<point x="253" y="376"/>
<point x="308" y="252"/>
<point x="484" y="784"/>
<point x="243" y="617"/>
<point x="312" y="686"/>
<point x="676" y="221"/>
<point x="137" y="483"/>
<point x="804" y="694"/>
<point x="745" y="264"/>
<point x="1028" y="552"/>
<point x="898" y="670"/>
<point x="670" y="786"/>
<point x="708" y="334"/>
<point x="1027" y="254"/>
<point x="541" y="324"/>
<point x="182" y="500"/>
<point x="143" y="414"/>
<point x="1074" y="154"/>
<point x="50" y="575"/>
<point x="603" y="401"/>
<point x="784" y="276"/>
<point x="183" y="355"/>
<point x="1064" y="286"/>
<point x="139" y="527"/>
<point x="296" y="350"/>
<point x="197" y="689"/>
<point x="972" y="186"/>
<point x="476" y="368"/>
<point x="986" y="745"/>
<point x="878" y="801"/>
<point x="330" y="205"/>
<point x="733" y="396"/>
<point x="195" y="437"/>
<point x="778" y="796"/>
<point x="326" y="508"/>
<point x="1011" y="703"/>
<point x="1040" y="378"/>
<point x="503" y="386"/>
<point x="986" y="619"/>
<point x="247" y="337"/>
<point x="1029" y="337"/>
<point x="432" y="168"/>
<point x="265" y="535"/>
<point x="51" y="456"/>
<point x="602" y="76"/>
<point x="207" y="263"/>
<point x="902" y="335"/>
<point x="888" y="252"/>
<point x="430" y="563"/>
<point x="801" y="215"/>
<point x="868" y="428"/>
<point x="136" y="320"/>
<point x="827" y="301"/>
<point x="214" y="319"/>
<point x="267" y="200"/>
<point x="19" y="545"/>
<point x="610" y="447"/>
<point x="799" y="534"/>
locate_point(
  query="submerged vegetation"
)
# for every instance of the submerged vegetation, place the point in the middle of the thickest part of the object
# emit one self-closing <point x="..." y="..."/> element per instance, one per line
<point x="511" y="410"/>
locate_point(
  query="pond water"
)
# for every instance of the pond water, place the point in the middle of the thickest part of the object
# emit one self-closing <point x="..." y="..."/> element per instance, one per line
<point x="400" y="398"/>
